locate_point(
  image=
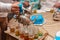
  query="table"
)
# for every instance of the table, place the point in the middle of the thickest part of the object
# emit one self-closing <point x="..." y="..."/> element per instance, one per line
<point x="11" y="36"/>
<point x="50" y="26"/>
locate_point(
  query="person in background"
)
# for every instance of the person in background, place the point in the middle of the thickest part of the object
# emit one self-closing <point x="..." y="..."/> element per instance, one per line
<point x="57" y="5"/>
<point x="26" y="4"/>
<point x="57" y="12"/>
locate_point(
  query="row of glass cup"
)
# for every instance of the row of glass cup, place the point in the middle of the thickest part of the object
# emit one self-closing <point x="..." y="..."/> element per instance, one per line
<point x="25" y="32"/>
<point x="28" y="32"/>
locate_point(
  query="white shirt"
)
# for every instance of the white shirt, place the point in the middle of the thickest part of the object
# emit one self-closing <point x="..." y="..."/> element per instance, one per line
<point x="5" y="7"/>
<point x="6" y="1"/>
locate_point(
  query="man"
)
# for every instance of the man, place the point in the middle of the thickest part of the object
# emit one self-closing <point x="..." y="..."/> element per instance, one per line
<point x="7" y="7"/>
<point x="57" y="14"/>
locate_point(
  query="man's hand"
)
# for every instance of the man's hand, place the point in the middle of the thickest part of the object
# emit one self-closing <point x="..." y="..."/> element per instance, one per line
<point x="15" y="8"/>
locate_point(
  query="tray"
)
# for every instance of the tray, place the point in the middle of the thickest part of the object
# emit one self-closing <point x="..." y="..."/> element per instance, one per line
<point x="18" y="37"/>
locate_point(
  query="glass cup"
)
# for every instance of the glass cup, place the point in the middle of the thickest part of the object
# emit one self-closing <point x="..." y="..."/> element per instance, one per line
<point x="21" y="35"/>
<point x="17" y="32"/>
<point x="12" y="30"/>
<point x="52" y="10"/>
<point x="35" y="32"/>
<point x="31" y="36"/>
<point x="31" y="32"/>
<point x="35" y="11"/>
<point x="25" y="32"/>
<point x="21" y="30"/>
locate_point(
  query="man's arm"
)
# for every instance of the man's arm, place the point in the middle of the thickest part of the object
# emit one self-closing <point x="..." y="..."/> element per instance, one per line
<point x="5" y="7"/>
<point x="8" y="7"/>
